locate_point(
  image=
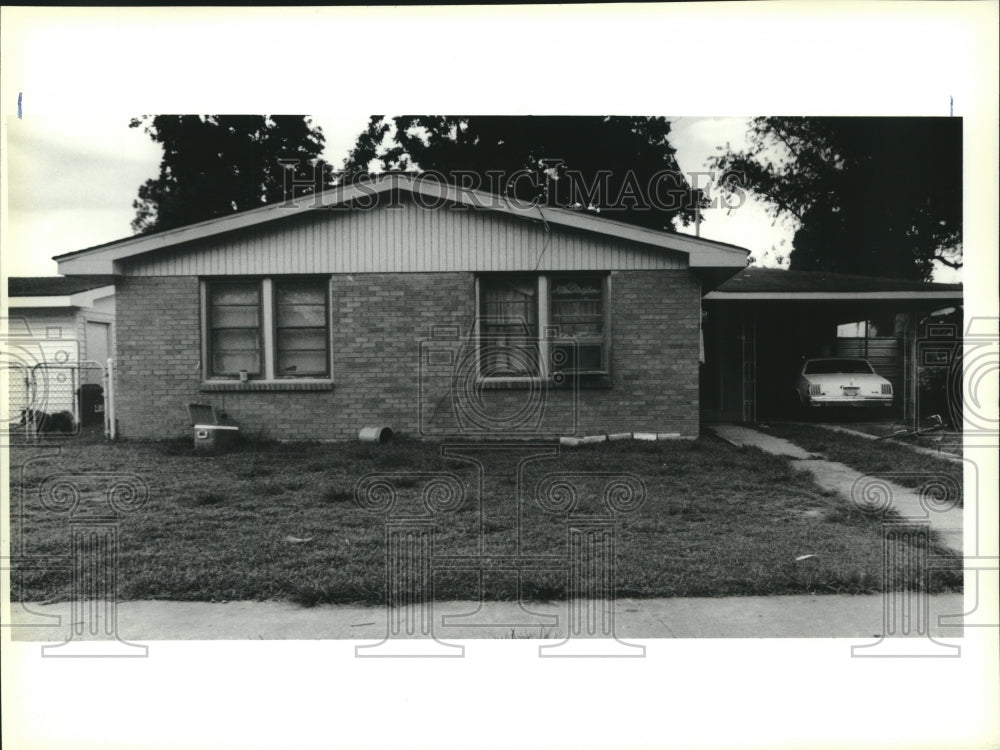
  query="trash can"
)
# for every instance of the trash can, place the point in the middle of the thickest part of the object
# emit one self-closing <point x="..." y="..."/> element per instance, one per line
<point x="91" y="399"/>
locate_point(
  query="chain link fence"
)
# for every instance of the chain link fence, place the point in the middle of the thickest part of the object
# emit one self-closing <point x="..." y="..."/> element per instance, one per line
<point x="53" y="399"/>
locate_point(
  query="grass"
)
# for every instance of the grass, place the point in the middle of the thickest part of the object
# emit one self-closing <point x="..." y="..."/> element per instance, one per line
<point x="946" y="442"/>
<point x="907" y="467"/>
<point x="880" y="424"/>
<point x="280" y="522"/>
<point x="543" y="633"/>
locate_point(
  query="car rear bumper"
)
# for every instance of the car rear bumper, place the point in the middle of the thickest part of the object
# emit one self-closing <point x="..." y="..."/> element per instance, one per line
<point x="850" y="400"/>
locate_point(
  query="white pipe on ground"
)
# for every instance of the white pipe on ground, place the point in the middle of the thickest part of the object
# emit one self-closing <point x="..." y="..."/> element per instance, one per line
<point x="379" y="434"/>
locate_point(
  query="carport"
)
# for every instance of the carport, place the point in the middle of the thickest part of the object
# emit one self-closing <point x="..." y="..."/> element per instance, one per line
<point x="759" y="326"/>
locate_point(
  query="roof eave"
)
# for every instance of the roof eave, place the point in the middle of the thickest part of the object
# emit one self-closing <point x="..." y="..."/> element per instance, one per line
<point x="86" y="298"/>
<point x="61" y="300"/>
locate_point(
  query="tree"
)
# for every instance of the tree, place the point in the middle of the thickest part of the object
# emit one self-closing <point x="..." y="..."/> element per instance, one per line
<point x="214" y="165"/>
<point x="622" y="167"/>
<point x="873" y="196"/>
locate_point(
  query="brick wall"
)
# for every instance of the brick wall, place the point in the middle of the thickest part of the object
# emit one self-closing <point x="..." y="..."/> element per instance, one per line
<point x="157" y="355"/>
<point x="390" y="368"/>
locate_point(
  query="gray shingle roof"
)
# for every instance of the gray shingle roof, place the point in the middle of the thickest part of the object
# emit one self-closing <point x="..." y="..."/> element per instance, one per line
<point x="49" y="286"/>
<point x="763" y="280"/>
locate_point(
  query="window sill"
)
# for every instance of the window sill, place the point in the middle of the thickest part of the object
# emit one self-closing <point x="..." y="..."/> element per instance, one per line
<point x="502" y="384"/>
<point x="258" y="386"/>
<point x="583" y="380"/>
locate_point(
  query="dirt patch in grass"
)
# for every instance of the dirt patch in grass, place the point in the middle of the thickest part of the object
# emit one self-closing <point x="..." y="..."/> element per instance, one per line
<point x="282" y="521"/>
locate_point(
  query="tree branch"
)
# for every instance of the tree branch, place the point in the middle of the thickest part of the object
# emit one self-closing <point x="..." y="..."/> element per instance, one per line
<point x="947" y="262"/>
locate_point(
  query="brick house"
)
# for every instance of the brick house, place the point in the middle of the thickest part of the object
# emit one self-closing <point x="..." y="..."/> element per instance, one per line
<point x="436" y="311"/>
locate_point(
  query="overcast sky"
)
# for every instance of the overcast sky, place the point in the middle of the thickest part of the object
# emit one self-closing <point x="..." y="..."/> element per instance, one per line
<point x="72" y="183"/>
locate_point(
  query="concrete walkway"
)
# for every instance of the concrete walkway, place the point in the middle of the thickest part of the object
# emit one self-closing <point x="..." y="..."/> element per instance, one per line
<point x="798" y="616"/>
<point x="853" y="485"/>
<point x="744" y="436"/>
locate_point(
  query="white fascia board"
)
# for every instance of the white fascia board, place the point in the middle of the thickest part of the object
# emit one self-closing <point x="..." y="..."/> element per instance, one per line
<point x="85" y="298"/>
<point x="90" y="296"/>
<point x="101" y="261"/>
<point x="778" y="296"/>
<point x="52" y="301"/>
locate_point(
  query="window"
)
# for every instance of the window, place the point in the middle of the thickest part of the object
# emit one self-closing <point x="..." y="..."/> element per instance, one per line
<point x="577" y="311"/>
<point x="270" y="329"/>
<point x="508" y="327"/>
<point x="532" y="324"/>
<point x="235" y="322"/>
<point x="837" y="367"/>
<point x="301" y="332"/>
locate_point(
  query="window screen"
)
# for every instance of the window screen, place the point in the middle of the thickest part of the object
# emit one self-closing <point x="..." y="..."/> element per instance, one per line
<point x="508" y="326"/>
<point x="234" y="317"/>
<point x="301" y="333"/>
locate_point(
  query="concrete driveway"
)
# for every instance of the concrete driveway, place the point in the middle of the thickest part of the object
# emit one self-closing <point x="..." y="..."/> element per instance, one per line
<point x="947" y="522"/>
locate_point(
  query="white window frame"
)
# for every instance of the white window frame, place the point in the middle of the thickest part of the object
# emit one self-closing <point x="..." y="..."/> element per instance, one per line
<point x="605" y="370"/>
<point x="546" y="329"/>
<point x="268" y="332"/>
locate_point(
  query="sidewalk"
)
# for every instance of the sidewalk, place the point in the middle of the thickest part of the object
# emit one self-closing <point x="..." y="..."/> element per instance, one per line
<point x="797" y="616"/>
<point x="837" y="477"/>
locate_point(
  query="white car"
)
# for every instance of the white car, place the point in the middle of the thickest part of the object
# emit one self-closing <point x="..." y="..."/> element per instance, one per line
<point x="842" y="381"/>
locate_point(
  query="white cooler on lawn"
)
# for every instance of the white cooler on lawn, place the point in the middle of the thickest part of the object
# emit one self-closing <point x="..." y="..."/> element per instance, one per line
<point x="210" y="435"/>
<point x="214" y="437"/>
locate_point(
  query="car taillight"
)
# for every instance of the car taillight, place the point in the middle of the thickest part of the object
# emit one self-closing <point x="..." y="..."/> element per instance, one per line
<point x="814" y="390"/>
<point x="886" y="389"/>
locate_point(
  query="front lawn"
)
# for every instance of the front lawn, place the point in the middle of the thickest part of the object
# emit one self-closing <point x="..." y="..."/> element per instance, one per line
<point x="281" y="521"/>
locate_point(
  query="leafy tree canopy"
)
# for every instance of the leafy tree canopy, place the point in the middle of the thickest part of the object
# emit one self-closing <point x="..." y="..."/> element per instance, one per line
<point x="214" y="165"/>
<point x="874" y="196"/>
<point x="622" y="167"/>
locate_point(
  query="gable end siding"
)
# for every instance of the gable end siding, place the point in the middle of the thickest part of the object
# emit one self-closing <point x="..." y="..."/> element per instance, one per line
<point x="408" y="239"/>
